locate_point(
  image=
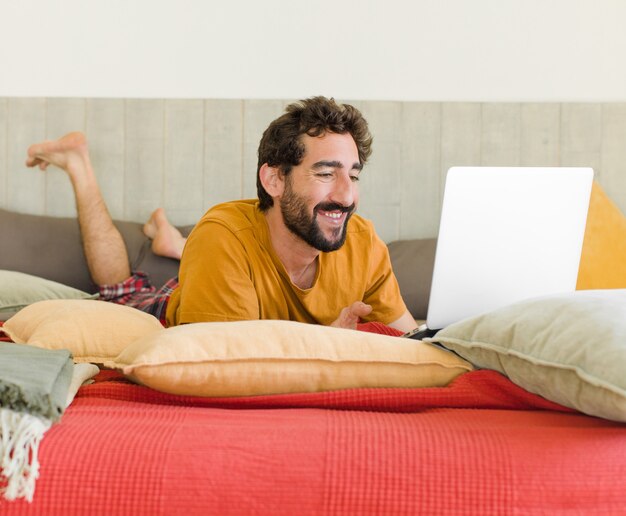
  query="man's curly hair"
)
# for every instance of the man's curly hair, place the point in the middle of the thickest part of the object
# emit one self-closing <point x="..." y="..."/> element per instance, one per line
<point x="281" y="144"/>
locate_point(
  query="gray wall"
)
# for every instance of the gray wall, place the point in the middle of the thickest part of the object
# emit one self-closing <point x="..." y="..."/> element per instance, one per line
<point x="187" y="155"/>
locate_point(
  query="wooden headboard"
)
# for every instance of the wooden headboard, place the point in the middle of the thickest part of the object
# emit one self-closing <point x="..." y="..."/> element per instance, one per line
<point x="187" y="155"/>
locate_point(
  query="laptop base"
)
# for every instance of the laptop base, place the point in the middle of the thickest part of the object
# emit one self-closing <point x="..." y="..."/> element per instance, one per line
<point x="420" y="333"/>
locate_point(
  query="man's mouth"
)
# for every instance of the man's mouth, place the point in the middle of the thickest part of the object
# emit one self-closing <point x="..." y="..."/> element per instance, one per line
<point x="334" y="213"/>
<point x="333" y="206"/>
<point x="333" y="216"/>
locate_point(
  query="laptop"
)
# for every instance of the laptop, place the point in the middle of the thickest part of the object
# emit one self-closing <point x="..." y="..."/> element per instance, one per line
<point x="506" y="234"/>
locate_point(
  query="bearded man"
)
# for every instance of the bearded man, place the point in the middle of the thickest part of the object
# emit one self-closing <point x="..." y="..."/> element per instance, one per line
<point x="298" y="252"/>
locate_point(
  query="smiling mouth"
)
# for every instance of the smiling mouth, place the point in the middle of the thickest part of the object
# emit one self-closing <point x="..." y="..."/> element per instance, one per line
<point x="334" y="213"/>
<point x="333" y="216"/>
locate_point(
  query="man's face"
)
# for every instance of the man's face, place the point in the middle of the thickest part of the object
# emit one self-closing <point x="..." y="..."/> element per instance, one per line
<point x="321" y="193"/>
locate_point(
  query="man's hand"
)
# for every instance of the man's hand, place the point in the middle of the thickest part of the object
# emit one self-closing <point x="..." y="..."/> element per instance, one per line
<point x="350" y="315"/>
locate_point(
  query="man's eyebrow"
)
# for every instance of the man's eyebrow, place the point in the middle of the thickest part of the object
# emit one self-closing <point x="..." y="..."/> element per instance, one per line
<point x="335" y="164"/>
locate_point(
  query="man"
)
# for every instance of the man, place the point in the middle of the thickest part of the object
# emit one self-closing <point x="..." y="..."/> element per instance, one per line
<point x="297" y="253"/>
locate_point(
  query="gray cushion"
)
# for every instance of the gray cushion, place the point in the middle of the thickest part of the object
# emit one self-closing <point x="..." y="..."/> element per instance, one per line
<point x="50" y="247"/>
<point x="5" y="315"/>
<point x="413" y="262"/>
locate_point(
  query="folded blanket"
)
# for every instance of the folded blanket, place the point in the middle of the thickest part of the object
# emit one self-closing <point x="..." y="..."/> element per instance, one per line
<point x="34" y="386"/>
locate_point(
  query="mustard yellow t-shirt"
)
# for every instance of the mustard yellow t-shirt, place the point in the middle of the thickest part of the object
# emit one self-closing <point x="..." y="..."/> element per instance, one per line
<point x="230" y="272"/>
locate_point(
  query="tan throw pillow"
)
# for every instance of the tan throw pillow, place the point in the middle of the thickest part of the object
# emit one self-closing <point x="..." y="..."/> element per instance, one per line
<point x="94" y="331"/>
<point x="270" y="357"/>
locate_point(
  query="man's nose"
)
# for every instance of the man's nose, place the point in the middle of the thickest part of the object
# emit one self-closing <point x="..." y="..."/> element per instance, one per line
<point x="343" y="191"/>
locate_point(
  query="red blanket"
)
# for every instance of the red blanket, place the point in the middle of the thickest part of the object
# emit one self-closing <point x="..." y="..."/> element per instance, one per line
<point x="481" y="445"/>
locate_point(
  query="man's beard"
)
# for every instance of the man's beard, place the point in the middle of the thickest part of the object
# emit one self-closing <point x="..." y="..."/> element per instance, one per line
<point x="304" y="225"/>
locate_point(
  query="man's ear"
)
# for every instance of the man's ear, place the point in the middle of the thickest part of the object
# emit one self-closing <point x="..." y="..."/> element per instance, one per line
<point x="272" y="180"/>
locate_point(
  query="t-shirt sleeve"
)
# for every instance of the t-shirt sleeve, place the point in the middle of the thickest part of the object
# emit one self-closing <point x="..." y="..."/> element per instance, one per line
<point x="215" y="278"/>
<point x="383" y="291"/>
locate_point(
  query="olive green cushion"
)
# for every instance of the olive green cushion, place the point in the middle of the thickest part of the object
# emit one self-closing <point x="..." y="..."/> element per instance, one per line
<point x="18" y="290"/>
<point x="568" y="348"/>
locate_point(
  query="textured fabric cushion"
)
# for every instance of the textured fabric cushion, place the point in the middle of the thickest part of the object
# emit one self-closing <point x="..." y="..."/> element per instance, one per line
<point x="18" y="290"/>
<point x="94" y="331"/>
<point x="82" y="374"/>
<point x="413" y="262"/>
<point x="270" y="357"/>
<point x="50" y="247"/>
<point x="570" y="349"/>
<point x="603" y="259"/>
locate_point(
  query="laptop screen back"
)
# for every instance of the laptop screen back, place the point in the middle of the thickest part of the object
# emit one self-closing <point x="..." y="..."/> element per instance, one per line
<point x="506" y="234"/>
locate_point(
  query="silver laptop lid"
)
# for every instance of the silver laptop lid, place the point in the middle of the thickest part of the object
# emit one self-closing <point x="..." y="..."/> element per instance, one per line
<point x="506" y="234"/>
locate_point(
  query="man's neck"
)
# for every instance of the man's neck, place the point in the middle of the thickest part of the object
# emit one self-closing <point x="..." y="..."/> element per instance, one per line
<point x="298" y="257"/>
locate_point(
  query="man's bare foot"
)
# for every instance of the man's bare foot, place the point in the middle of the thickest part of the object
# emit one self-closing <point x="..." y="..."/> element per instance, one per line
<point x="166" y="239"/>
<point x="69" y="153"/>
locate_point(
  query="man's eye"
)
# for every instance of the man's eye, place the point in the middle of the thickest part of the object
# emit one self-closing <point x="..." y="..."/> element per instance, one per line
<point x="324" y="174"/>
<point x="355" y="179"/>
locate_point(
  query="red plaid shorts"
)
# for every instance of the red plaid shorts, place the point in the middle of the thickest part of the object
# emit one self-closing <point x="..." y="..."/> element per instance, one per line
<point x="138" y="292"/>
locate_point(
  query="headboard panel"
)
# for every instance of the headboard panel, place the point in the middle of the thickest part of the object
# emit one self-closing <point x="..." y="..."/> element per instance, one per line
<point x="187" y="155"/>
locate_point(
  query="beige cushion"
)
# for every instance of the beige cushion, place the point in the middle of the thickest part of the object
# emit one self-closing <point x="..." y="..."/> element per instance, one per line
<point x="568" y="348"/>
<point x="94" y="331"/>
<point x="81" y="375"/>
<point x="270" y="357"/>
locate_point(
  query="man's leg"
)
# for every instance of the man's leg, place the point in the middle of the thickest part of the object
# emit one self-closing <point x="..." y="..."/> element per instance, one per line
<point x="166" y="239"/>
<point x="103" y="245"/>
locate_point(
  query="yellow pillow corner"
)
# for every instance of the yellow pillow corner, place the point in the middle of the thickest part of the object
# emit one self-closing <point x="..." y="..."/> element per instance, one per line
<point x="603" y="258"/>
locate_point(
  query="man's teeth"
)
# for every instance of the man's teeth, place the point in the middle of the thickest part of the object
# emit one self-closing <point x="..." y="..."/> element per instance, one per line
<point x="333" y="214"/>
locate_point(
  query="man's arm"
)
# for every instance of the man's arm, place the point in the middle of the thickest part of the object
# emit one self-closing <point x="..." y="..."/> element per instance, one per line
<point x="405" y="323"/>
<point x="383" y="291"/>
<point x="215" y="279"/>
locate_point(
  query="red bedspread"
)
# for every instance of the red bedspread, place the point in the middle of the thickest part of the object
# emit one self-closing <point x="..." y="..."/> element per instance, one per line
<point x="479" y="446"/>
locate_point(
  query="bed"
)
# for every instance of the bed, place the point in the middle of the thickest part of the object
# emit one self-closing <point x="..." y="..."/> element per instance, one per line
<point x="483" y="443"/>
<point x="480" y="446"/>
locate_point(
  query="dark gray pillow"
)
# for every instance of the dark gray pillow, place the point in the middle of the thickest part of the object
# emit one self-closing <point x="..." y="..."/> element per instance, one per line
<point x="413" y="262"/>
<point x="50" y="247"/>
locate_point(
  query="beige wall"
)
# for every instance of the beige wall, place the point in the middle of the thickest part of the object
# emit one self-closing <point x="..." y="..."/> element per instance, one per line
<point x="187" y="155"/>
<point x="408" y="50"/>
